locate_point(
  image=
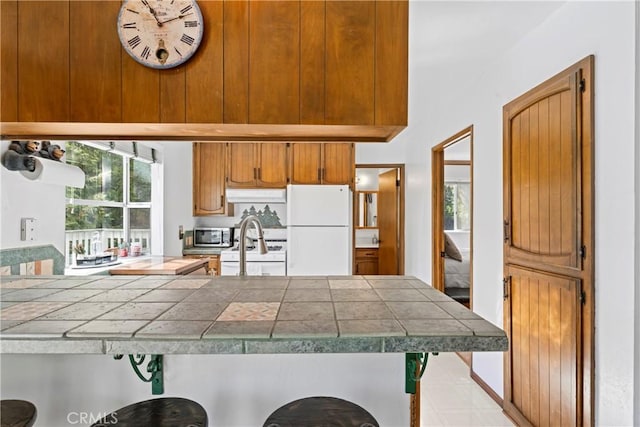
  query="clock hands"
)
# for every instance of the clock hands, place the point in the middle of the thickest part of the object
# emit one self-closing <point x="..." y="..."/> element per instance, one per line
<point x="153" y="12"/>
<point x="173" y="19"/>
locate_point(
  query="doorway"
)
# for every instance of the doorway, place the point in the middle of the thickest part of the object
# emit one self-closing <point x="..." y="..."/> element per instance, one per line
<point x="452" y="221"/>
<point x="378" y="218"/>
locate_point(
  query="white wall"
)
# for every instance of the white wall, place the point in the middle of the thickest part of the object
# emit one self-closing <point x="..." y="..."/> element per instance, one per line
<point x="235" y="390"/>
<point x="637" y="224"/>
<point x="23" y="198"/>
<point x="367" y="179"/>
<point x="450" y="99"/>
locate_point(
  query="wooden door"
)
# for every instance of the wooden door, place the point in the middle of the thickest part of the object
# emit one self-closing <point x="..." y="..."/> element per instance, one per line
<point x="305" y="163"/>
<point x="208" y="178"/>
<point x="271" y="165"/>
<point x="241" y="165"/>
<point x="388" y="222"/>
<point x="338" y="164"/>
<point x="548" y="251"/>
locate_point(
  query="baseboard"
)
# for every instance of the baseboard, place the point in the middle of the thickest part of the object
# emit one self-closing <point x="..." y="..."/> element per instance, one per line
<point x="484" y="386"/>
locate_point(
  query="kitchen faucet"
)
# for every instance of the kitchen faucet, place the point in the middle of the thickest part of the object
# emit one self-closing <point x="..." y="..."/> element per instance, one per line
<point x="242" y="241"/>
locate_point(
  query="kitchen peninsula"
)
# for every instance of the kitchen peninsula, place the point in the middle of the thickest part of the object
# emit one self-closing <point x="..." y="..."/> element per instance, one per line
<point x="240" y="346"/>
<point x="232" y="315"/>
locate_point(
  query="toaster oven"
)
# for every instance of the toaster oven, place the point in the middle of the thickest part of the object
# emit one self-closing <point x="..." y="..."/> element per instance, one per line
<point x="213" y="237"/>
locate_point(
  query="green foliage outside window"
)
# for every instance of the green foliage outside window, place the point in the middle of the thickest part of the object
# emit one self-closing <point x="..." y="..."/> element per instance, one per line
<point x="104" y="181"/>
<point x="449" y="211"/>
<point x="103" y="173"/>
<point x="457" y="206"/>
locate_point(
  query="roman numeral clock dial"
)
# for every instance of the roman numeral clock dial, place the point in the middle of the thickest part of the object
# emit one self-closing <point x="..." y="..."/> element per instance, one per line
<point x="160" y="33"/>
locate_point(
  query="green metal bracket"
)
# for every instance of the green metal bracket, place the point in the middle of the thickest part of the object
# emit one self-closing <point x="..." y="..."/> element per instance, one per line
<point x="154" y="367"/>
<point x="412" y="361"/>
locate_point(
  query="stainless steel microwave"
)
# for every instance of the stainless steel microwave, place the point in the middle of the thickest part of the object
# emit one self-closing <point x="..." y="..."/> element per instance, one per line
<point x="213" y="237"/>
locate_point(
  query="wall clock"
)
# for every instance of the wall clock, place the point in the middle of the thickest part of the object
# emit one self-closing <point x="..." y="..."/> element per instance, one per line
<point x="160" y="33"/>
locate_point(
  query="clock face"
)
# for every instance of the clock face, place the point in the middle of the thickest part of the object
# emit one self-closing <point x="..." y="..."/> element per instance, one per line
<point x="160" y="33"/>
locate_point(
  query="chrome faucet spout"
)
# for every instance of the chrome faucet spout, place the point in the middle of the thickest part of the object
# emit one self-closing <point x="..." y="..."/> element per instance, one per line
<point x="242" y="241"/>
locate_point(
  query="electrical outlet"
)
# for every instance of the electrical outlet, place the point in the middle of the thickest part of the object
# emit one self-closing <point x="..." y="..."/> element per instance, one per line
<point x="180" y="232"/>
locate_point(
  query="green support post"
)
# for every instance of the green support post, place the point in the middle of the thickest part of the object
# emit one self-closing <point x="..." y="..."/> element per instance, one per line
<point x="154" y="367"/>
<point x="412" y="361"/>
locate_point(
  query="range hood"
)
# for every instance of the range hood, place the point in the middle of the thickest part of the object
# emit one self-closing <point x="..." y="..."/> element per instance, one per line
<point x="256" y="195"/>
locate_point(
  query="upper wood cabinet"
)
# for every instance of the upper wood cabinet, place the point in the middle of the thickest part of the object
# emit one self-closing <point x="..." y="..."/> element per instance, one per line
<point x="326" y="163"/>
<point x="209" y="160"/>
<point x="256" y="165"/>
<point x="318" y="62"/>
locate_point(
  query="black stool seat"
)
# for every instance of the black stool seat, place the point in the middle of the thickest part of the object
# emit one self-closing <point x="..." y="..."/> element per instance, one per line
<point x="17" y="413"/>
<point x="163" y="412"/>
<point x="321" y="411"/>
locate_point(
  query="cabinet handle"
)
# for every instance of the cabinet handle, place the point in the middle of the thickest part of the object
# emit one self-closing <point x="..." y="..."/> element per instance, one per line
<point x="357" y="266"/>
<point x="222" y="200"/>
<point x="323" y="174"/>
<point x="255" y="173"/>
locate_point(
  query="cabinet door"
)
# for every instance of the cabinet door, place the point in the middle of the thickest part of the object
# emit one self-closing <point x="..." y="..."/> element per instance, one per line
<point x="214" y="265"/>
<point x="208" y="179"/>
<point x="213" y="268"/>
<point x="338" y="164"/>
<point x="366" y="266"/>
<point x="366" y="261"/>
<point x="305" y="162"/>
<point x="241" y="165"/>
<point x="272" y="165"/>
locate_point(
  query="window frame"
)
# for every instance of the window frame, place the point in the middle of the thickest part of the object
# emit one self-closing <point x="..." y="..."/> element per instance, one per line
<point x="126" y="204"/>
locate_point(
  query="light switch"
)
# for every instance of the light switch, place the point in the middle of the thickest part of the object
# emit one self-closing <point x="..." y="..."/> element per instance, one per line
<point x="28" y="229"/>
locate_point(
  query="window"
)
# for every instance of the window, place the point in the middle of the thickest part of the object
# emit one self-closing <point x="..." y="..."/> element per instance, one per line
<point x="456" y="206"/>
<point x="114" y="207"/>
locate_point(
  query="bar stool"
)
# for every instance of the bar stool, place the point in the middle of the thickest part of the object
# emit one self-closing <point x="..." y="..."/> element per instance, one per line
<point x="17" y="413"/>
<point x="320" y="411"/>
<point x="163" y="412"/>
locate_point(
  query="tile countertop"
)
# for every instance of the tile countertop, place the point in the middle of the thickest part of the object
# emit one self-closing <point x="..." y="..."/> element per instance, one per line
<point x="232" y="315"/>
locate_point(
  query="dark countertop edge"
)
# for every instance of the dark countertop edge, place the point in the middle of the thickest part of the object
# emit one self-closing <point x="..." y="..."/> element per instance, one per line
<point x="430" y="344"/>
<point x="202" y="251"/>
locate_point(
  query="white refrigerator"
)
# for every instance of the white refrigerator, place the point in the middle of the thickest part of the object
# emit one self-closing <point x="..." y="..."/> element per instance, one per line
<point x="318" y="230"/>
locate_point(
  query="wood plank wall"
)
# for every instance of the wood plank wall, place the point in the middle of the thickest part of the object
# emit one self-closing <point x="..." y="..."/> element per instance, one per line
<point x="287" y="62"/>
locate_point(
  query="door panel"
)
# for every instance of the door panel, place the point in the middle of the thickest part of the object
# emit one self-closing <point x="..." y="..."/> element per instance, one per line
<point x="388" y="222"/>
<point x="306" y="163"/>
<point x="543" y="178"/>
<point x="544" y="338"/>
<point x="337" y="164"/>
<point x="208" y="178"/>
<point x="241" y="165"/>
<point x="272" y="166"/>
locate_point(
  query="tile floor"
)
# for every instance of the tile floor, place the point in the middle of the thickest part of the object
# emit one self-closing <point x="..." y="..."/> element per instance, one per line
<point x="451" y="398"/>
